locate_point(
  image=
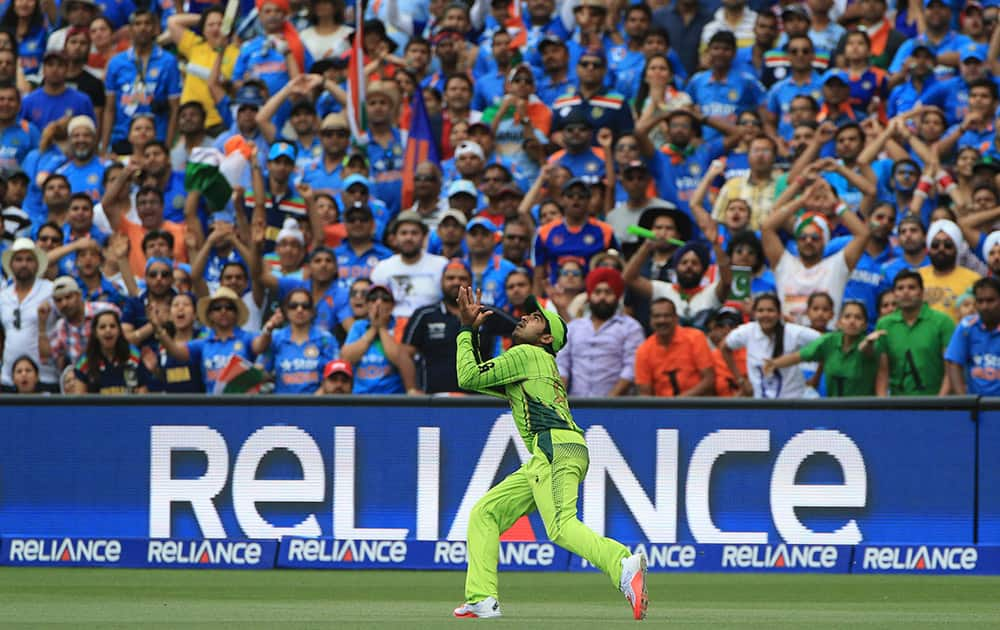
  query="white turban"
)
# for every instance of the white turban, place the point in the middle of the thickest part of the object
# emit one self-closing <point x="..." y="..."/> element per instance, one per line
<point x="991" y="241"/>
<point x="948" y="227"/>
<point x="290" y="229"/>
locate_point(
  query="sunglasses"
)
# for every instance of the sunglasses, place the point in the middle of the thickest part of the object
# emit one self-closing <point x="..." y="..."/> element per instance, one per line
<point x="591" y="64"/>
<point x="628" y="146"/>
<point x="515" y="237"/>
<point x="635" y="176"/>
<point x="295" y="306"/>
<point x="339" y="133"/>
<point x="800" y="51"/>
<point x="523" y="80"/>
<point x="380" y="297"/>
<point x="811" y="237"/>
<point x="942" y="245"/>
<point x="160" y="273"/>
<point x="223" y="306"/>
<point x="907" y="172"/>
<point x="573" y="273"/>
<point x="17" y="318"/>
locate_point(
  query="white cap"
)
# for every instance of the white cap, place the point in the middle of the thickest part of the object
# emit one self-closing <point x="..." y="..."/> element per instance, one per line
<point x="468" y="147"/>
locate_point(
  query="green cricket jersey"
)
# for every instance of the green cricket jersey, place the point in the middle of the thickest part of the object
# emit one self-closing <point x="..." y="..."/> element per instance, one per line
<point x="528" y="378"/>
<point x="916" y="353"/>
<point x="850" y="373"/>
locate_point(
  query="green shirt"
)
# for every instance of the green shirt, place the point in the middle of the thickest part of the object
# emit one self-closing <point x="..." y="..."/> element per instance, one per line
<point x="850" y="373"/>
<point x="916" y="353"/>
<point x="528" y="378"/>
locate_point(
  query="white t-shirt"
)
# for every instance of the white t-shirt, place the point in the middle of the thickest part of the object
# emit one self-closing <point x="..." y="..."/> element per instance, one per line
<point x="324" y="46"/>
<point x="688" y="309"/>
<point x="413" y="285"/>
<point x="796" y="283"/>
<point x="20" y="326"/>
<point x="784" y="383"/>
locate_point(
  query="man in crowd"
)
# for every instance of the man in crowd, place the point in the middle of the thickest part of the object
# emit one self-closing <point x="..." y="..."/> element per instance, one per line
<point x="675" y="361"/>
<point x="21" y="312"/>
<point x="944" y="279"/>
<point x="973" y="355"/>
<point x="599" y="357"/>
<point x="916" y="337"/>
<point x="413" y="275"/>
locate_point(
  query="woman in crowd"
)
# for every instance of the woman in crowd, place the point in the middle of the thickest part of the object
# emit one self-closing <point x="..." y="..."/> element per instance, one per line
<point x="299" y="351"/>
<point x="768" y="337"/>
<point x="110" y="365"/>
<point x="327" y="36"/>
<point x="174" y="376"/>
<point x="849" y="358"/>
<point x="26" y="21"/>
<point x="373" y="347"/>
<point x="201" y="52"/>
<point x="103" y="48"/>
<point x="657" y="91"/>
<point x="24" y="372"/>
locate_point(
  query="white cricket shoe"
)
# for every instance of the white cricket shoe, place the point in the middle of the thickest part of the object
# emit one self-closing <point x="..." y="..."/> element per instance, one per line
<point x="633" y="584"/>
<point x="483" y="609"/>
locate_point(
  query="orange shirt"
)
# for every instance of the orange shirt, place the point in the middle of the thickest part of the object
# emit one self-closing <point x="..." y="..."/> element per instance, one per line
<point x="725" y="384"/>
<point x="135" y="233"/>
<point x="671" y="370"/>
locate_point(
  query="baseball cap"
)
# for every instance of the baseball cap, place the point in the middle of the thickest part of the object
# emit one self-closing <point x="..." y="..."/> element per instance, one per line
<point x="557" y="327"/>
<point x="723" y="37"/>
<point x="249" y="96"/>
<point x="921" y="45"/>
<point x="462" y="187"/>
<point x="797" y="10"/>
<point x="510" y="189"/>
<point x="835" y="74"/>
<point x="380" y="287"/>
<point x="576" y="181"/>
<point x="971" y="52"/>
<point x="359" y="208"/>
<point x="594" y="52"/>
<point x="452" y="213"/>
<point x="64" y="285"/>
<point x="338" y="366"/>
<point x="356" y="178"/>
<point x="486" y="224"/>
<point x="356" y="156"/>
<point x="281" y="149"/>
<point x="54" y="54"/>
<point x="575" y="116"/>
<point x="468" y="147"/>
<point x="636" y="165"/>
<point x="550" y="40"/>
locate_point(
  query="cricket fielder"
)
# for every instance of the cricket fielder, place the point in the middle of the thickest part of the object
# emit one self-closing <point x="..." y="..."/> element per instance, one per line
<point x="526" y="375"/>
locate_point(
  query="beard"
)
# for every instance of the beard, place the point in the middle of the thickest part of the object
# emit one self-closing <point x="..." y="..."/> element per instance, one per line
<point x="943" y="262"/>
<point x="83" y="154"/>
<point x="688" y="280"/>
<point x="603" y="310"/>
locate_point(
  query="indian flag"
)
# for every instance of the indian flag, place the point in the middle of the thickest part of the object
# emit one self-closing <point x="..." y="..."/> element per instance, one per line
<point x="239" y="376"/>
<point x="213" y="175"/>
<point x="356" y="81"/>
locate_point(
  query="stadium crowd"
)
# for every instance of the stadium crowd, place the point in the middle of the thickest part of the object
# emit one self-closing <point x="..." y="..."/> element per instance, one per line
<point x="767" y="199"/>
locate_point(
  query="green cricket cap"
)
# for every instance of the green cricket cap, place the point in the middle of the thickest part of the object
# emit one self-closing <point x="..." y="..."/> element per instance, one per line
<point x="557" y="327"/>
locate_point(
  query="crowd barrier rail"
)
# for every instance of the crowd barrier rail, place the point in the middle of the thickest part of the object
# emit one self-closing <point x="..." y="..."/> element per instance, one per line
<point x="829" y="485"/>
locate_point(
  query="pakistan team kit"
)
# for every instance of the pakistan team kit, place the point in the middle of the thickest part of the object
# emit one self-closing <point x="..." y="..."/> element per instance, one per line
<point x="526" y="375"/>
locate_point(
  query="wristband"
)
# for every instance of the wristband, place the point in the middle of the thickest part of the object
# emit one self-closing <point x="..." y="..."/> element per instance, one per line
<point x="924" y="187"/>
<point x="946" y="182"/>
<point x="841" y="209"/>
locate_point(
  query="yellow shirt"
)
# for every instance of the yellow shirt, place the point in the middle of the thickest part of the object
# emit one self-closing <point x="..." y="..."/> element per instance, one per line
<point x="759" y="196"/>
<point x="941" y="291"/>
<point x="200" y="59"/>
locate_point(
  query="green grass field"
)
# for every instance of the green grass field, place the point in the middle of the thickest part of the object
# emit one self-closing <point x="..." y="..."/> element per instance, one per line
<point x="123" y="598"/>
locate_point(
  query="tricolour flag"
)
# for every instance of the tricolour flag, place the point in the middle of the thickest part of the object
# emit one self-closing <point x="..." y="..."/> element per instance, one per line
<point x="213" y="175"/>
<point x="356" y="81"/>
<point x="239" y="376"/>
<point x="420" y="145"/>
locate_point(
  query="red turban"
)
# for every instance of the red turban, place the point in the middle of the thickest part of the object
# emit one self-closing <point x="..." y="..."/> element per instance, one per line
<point x="606" y="274"/>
